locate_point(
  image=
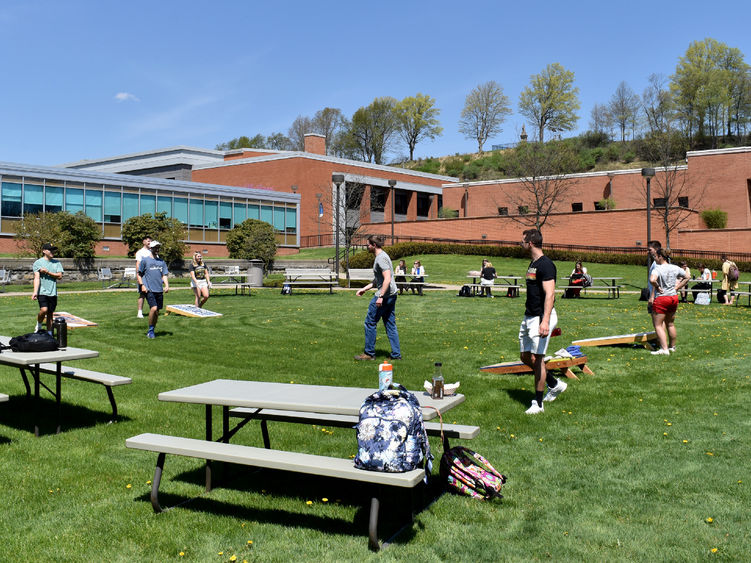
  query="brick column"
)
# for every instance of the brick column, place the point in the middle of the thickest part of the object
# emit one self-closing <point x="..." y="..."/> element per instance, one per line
<point x="412" y="206"/>
<point x="365" y="205"/>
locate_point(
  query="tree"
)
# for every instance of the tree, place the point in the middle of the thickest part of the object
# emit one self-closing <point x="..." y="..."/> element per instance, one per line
<point x="74" y="235"/>
<point x="485" y="109"/>
<point x="417" y="119"/>
<point x="279" y="142"/>
<point x="252" y="240"/>
<point x="551" y="100"/>
<point x="600" y="120"/>
<point x="657" y="103"/>
<point x="543" y="183"/>
<point x="170" y="232"/>
<point x="300" y="127"/>
<point x="623" y="107"/>
<point x="370" y="133"/>
<point x="327" y="122"/>
<point x="256" y="142"/>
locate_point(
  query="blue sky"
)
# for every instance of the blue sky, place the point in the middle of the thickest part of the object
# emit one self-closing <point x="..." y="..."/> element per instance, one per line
<point x="84" y="79"/>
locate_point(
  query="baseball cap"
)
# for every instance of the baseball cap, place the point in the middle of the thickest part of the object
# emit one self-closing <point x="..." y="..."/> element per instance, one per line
<point x="48" y="246"/>
<point x="154" y="243"/>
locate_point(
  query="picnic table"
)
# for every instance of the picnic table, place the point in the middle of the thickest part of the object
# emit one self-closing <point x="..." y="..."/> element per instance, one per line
<point x="43" y="362"/>
<point x="308" y="404"/>
<point x="608" y="283"/>
<point x="508" y="282"/>
<point x="747" y="292"/>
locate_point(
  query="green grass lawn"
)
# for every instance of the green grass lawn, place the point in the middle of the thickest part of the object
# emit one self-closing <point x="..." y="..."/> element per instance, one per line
<point x="628" y="464"/>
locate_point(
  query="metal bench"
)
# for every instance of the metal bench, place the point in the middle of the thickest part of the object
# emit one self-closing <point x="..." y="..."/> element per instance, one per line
<point x="614" y="291"/>
<point x="511" y="290"/>
<point x="309" y="464"/>
<point x="105" y="379"/>
<point x="741" y="293"/>
<point x="105" y="276"/>
<point x="311" y="277"/>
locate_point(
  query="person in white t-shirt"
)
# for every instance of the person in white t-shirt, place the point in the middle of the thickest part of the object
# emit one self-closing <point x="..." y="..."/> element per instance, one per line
<point x="144" y="252"/>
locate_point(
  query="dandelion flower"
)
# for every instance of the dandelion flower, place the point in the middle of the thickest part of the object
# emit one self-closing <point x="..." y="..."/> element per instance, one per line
<point x="540" y="439"/>
<point x="182" y="554"/>
<point x="324" y="499"/>
<point x="309" y="502"/>
<point x="233" y="558"/>
<point x="250" y="542"/>
<point x="128" y="486"/>
<point x="709" y="520"/>
<point x="714" y="550"/>
<point x="685" y="441"/>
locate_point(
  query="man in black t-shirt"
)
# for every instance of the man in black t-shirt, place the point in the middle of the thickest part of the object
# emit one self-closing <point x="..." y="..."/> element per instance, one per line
<point x="539" y="320"/>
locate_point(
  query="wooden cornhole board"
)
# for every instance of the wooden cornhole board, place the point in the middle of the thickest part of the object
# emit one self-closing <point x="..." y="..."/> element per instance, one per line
<point x="72" y="321"/>
<point x="189" y="310"/>
<point x="636" y="338"/>
<point x="562" y="364"/>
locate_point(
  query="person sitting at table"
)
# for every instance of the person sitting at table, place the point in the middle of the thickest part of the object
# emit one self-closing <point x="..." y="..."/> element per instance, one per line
<point x="705" y="283"/>
<point x="487" y="278"/>
<point x="399" y="272"/>
<point x="684" y="290"/>
<point x="417" y="276"/>
<point x="577" y="278"/>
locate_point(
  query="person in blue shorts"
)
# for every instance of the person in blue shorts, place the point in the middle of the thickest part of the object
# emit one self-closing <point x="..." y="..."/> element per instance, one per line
<point x="152" y="280"/>
<point x="47" y="272"/>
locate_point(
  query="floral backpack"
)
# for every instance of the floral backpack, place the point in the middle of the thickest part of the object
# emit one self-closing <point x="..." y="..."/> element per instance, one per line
<point x="391" y="434"/>
<point x="468" y="473"/>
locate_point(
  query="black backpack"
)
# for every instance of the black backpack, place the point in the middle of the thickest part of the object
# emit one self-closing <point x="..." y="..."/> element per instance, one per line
<point x="40" y="341"/>
<point x="465" y="291"/>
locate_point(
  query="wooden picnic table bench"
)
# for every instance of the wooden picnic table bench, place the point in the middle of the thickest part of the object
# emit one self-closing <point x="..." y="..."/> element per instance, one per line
<point x="3" y="397"/>
<point x="554" y="364"/>
<point x="509" y="283"/>
<point x="608" y="284"/>
<point x="311" y="277"/>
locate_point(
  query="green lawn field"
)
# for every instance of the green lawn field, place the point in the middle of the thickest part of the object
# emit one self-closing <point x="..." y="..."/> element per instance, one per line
<point x="647" y="460"/>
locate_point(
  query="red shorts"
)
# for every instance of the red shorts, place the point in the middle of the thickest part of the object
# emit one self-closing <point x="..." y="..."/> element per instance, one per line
<point x="665" y="304"/>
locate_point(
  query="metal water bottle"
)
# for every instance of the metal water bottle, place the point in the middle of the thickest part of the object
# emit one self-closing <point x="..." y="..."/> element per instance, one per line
<point x="60" y="332"/>
<point x="385" y="376"/>
<point x="438" y="381"/>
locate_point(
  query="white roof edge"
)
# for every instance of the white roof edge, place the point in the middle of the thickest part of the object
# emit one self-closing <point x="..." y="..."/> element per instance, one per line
<point x="710" y="152"/>
<point x="578" y="175"/>
<point x="131" y="156"/>
<point x="383" y="182"/>
<point x="325" y="158"/>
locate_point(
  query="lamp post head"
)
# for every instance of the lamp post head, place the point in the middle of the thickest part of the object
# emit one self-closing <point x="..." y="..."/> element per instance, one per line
<point x="647" y="172"/>
<point x="337" y="178"/>
<point x="293" y="187"/>
<point x="319" y="196"/>
<point x="392" y="183"/>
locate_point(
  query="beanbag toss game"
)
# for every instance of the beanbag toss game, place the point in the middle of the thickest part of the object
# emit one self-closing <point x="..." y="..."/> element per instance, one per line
<point x="188" y="310"/>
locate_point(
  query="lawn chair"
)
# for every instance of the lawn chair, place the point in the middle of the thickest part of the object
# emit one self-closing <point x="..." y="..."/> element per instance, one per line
<point x="4" y="279"/>
<point x="105" y="276"/>
<point x="129" y="274"/>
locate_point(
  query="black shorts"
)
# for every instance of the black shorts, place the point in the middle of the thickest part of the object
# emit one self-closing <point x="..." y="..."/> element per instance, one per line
<point x="155" y="299"/>
<point x="47" y="301"/>
<point x="141" y="294"/>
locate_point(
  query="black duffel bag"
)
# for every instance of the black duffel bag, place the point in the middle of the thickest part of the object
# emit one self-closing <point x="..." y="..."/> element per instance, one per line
<point x="40" y="341"/>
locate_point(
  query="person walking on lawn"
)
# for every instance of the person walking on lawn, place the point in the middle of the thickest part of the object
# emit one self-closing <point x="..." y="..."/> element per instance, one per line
<point x="383" y="304"/>
<point x="540" y="319"/>
<point x="142" y="253"/>
<point x="152" y="280"/>
<point x="47" y="272"/>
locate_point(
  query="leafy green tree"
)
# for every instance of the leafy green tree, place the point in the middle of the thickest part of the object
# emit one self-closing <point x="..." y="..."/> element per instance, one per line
<point x="74" y="235"/>
<point x="657" y="103"/>
<point x="551" y="100"/>
<point x="257" y="142"/>
<point x="370" y="133"/>
<point x="252" y="240"/>
<point x="170" y="232"/>
<point x="485" y="109"/>
<point x="279" y="142"/>
<point x="417" y="119"/>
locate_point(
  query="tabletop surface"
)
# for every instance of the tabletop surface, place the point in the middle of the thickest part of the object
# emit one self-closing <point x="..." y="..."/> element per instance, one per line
<point x="30" y="358"/>
<point x="292" y="397"/>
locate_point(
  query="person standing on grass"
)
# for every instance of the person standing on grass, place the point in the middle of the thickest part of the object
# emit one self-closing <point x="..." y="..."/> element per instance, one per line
<point x="540" y="319"/>
<point x="652" y="247"/>
<point x="727" y="285"/>
<point x="47" y="272"/>
<point x="383" y="304"/>
<point x="152" y="280"/>
<point x="664" y="280"/>
<point x="142" y="253"/>
<point x="200" y="280"/>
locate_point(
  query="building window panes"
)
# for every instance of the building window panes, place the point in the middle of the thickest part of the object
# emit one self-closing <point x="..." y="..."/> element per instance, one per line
<point x="94" y="204"/>
<point x="291" y="220"/>
<point x="279" y="218"/>
<point x="11" y="196"/>
<point x="225" y="215"/>
<point x="148" y="204"/>
<point x="112" y="212"/>
<point x="73" y="200"/>
<point x="33" y="198"/>
<point x="253" y="212"/>
<point x="196" y="213"/>
<point x="130" y="206"/>
<point x="164" y="205"/>
<point x="241" y="213"/>
<point x="578" y="206"/>
<point x="267" y="214"/>
<point x="181" y="210"/>
<point x="211" y="211"/>
<point x="53" y="199"/>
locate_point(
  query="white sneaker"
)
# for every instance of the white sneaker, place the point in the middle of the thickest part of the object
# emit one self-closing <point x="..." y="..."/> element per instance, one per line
<point x="671" y="349"/>
<point x="534" y="409"/>
<point x="553" y="392"/>
<point x="661" y="352"/>
<point x="139" y="315"/>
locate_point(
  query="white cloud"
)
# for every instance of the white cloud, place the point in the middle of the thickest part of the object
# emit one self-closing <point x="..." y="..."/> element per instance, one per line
<point x="126" y="97"/>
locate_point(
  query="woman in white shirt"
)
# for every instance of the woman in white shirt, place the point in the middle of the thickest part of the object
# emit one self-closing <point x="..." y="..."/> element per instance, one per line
<point x="667" y="280"/>
<point x="417" y="272"/>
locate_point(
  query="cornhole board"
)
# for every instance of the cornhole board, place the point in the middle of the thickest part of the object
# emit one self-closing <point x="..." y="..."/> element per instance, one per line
<point x="636" y="338"/>
<point x="72" y="321"/>
<point x="557" y="364"/>
<point x="188" y="310"/>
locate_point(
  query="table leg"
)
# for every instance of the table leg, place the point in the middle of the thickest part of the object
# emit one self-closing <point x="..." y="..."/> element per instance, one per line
<point x="58" y="393"/>
<point x="209" y="432"/>
<point x="35" y="375"/>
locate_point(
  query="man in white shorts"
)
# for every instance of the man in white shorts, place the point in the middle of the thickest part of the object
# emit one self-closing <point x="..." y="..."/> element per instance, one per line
<point x="540" y="319"/>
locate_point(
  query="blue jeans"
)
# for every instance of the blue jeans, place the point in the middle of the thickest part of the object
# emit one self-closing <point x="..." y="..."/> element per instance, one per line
<point x="387" y="312"/>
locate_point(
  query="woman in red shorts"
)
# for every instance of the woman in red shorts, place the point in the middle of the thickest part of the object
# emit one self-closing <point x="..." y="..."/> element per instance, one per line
<point x="667" y="279"/>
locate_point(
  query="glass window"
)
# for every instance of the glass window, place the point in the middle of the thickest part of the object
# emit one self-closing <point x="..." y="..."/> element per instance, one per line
<point x="112" y="207"/>
<point x="241" y="213"/>
<point x="577" y="206"/>
<point x="279" y="218"/>
<point x="53" y="199"/>
<point x="211" y="217"/>
<point x="148" y="204"/>
<point x="181" y="210"/>
<point x="130" y="206"/>
<point x="291" y="220"/>
<point x="73" y="200"/>
<point x="196" y="212"/>
<point x="33" y="198"/>
<point x="164" y="204"/>
<point x="503" y="211"/>
<point x="267" y="214"/>
<point x="94" y="204"/>
<point x="11" y="196"/>
<point x="225" y="215"/>
<point x="253" y="212"/>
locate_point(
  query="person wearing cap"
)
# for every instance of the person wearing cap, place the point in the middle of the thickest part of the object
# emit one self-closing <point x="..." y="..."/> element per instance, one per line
<point x="47" y="272"/>
<point x="142" y="253"/>
<point x="152" y="280"/>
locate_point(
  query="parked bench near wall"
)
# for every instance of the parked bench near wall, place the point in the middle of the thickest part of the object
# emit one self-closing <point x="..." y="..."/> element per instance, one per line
<point x="310" y="277"/>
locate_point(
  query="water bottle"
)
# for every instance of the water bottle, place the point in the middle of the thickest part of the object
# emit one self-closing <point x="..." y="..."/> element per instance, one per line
<point x="60" y="332"/>
<point x="385" y="376"/>
<point x="438" y="381"/>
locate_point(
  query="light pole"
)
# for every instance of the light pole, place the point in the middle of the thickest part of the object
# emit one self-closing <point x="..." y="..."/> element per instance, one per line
<point x="318" y="212"/>
<point x="392" y="183"/>
<point x="338" y="180"/>
<point x="648" y="173"/>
